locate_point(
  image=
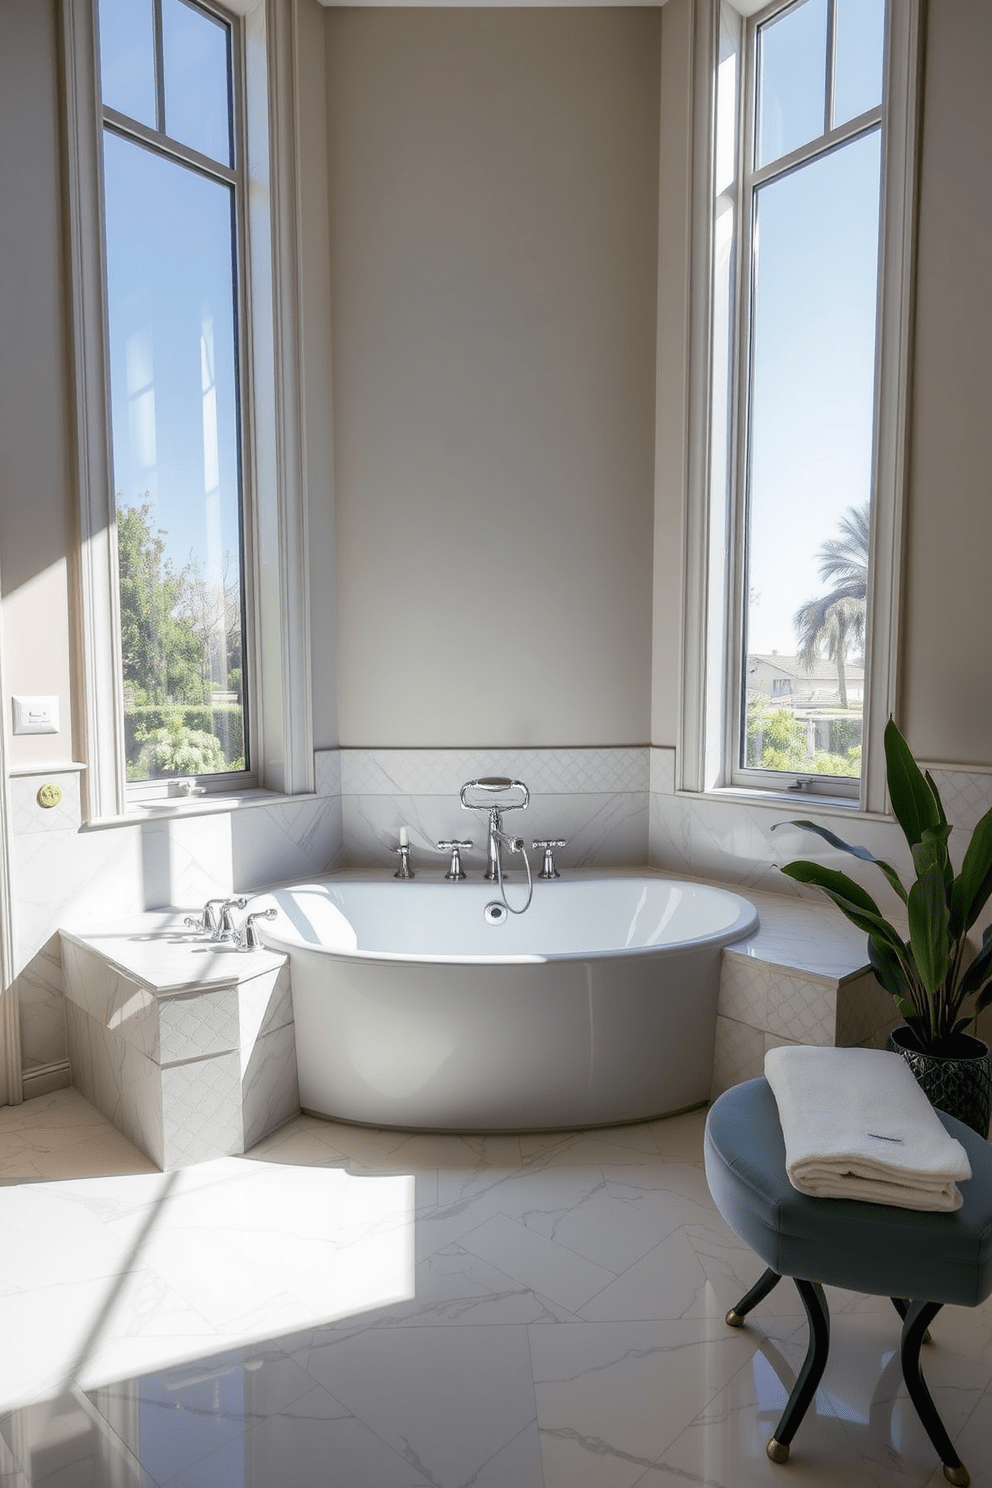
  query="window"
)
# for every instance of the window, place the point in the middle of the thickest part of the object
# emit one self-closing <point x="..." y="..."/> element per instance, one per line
<point x="810" y="213"/>
<point x="234" y="130"/>
<point x="795" y="502"/>
<point x="172" y="214"/>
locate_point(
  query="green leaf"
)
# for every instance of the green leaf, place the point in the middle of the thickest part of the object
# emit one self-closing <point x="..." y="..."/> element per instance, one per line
<point x="932" y="848"/>
<point x="832" y="880"/>
<point x="856" y="852"/>
<point x="888" y="968"/>
<point x="912" y="799"/>
<point x="929" y="923"/>
<point x="973" y="885"/>
<point x="979" y="971"/>
<point x="941" y="815"/>
<point x="850" y="898"/>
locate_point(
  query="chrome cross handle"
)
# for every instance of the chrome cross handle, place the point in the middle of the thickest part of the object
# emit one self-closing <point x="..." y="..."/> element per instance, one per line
<point x="549" y="844"/>
<point x="225" y="929"/>
<point x="209" y="918"/>
<point x="248" y="938"/>
<point x="456" y="872"/>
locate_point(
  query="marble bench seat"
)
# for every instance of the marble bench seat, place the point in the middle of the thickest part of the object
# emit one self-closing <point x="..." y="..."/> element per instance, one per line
<point x="188" y="1047"/>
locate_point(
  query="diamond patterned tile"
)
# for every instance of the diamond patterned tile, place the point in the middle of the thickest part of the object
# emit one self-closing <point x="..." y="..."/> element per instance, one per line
<point x="744" y="990"/>
<point x="662" y="772"/>
<point x="801" y="1009"/>
<point x="327" y="772"/>
<point x="28" y="815"/>
<point x="863" y="1010"/>
<point x="966" y="794"/>
<point x="190" y="1027"/>
<point x="738" y="1054"/>
<point x="367" y="772"/>
<point x="201" y="1109"/>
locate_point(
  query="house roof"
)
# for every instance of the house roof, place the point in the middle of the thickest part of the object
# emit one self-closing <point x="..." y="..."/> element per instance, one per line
<point x="820" y="671"/>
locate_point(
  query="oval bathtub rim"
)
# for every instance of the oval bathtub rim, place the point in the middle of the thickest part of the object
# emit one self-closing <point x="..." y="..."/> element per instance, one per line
<point x="746" y="924"/>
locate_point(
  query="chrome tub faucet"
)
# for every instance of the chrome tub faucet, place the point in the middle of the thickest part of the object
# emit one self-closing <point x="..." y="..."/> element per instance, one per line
<point x="497" y="839"/>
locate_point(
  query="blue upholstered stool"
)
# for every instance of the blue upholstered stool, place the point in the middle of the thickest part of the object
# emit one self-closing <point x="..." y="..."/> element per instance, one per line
<point x="920" y="1260"/>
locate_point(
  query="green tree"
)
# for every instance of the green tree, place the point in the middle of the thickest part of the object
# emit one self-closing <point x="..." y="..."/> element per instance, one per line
<point x="164" y="660"/>
<point x="833" y="624"/>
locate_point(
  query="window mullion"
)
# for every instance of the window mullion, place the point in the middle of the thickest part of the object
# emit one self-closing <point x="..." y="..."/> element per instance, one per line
<point x="159" y="66"/>
<point x="828" y="97"/>
<point x="184" y="154"/>
<point x="822" y="145"/>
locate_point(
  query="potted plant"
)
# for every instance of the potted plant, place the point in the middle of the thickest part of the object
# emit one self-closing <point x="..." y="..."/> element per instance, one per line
<point x="937" y="985"/>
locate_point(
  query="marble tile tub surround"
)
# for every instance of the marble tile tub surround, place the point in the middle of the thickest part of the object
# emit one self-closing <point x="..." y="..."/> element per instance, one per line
<point x="616" y="807"/>
<point x="66" y="878"/>
<point x="597" y="799"/>
<point x="426" y="1312"/>
<point x="189" y="1048"/>
<point x="727" y="836"/>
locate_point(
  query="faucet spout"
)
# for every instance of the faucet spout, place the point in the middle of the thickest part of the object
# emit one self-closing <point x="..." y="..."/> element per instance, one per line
<point x="494" y="861"/>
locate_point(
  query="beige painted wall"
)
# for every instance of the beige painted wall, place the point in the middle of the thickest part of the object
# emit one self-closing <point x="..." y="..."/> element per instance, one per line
<point x="947" y="643"/>
<point x="493" y="193"/>
<point x="496" y="350"/>
<point x="35" y="467"/>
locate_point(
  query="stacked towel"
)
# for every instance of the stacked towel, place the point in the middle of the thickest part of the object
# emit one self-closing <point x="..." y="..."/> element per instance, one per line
<point x="857" y="1126"/>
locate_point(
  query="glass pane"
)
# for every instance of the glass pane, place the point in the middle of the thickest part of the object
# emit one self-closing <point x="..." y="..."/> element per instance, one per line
<point x="197" y="80"/>
<point x="174" y="404"/>
<point x="127" y="58"/>
<point x="858" y="57"/>
<point x="792" y="80"/>
<point x="811" y="431"/>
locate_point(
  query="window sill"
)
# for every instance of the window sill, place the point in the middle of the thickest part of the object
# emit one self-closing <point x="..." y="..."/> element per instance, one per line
<point x="211" y="805"/>
<point x="809" y="802"/>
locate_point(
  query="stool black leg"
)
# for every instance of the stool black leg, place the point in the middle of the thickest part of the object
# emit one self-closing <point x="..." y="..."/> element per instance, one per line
<point x="735" y="1317"/>
<point x="811" y="1373"/>
<point x="902" y="1307"/>
<point x="918" y="1318"/>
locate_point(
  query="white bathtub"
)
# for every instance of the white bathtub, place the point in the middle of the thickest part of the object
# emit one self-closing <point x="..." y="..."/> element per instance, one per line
<point x="597" y="1006"/>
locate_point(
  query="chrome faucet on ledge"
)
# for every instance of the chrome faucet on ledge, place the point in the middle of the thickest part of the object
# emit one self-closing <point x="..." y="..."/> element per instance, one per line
<point x="497" y="839"/>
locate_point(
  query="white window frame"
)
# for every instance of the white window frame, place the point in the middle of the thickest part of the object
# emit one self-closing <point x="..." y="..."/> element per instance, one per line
<point x="277" y="621"/>
<point x="708" y="742"/>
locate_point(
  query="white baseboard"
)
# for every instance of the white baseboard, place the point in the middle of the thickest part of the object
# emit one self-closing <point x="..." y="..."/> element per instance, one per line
<point x="42" y="1079"/>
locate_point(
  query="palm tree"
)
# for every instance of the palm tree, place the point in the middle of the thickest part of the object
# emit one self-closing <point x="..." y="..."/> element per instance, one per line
<point x="834" y="624"/>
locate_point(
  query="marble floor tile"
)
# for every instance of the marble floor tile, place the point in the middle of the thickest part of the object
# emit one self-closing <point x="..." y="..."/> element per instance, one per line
<point x="724" y="1446"/>
<point x="562" y="1276"/>
<point x="380" y="1309"/>
<point x="613" y="1396"/>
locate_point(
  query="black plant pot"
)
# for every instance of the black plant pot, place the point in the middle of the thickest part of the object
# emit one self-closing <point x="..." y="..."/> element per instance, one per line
<point x="959" y="1084"/>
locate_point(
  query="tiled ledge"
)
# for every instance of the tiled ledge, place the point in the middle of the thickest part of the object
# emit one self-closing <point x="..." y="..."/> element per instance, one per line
<point x="187" y="1047"/>
<point x="801" y="978"/>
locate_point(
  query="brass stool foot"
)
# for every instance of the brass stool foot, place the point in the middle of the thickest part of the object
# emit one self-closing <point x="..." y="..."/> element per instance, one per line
<point x="777" y="1451"/>
<point x="734" y="1319"/>
<point x="959" y="1476"/>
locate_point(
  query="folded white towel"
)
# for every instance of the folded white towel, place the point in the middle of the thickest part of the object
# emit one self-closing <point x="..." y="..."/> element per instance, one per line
<point x="857" y="1126"/>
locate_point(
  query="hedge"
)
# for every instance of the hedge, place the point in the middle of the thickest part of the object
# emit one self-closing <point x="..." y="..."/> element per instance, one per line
<point x="225" y="721"/>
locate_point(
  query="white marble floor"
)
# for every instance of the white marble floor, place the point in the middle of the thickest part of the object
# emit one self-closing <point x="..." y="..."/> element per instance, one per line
<point x="346" y="1308"/>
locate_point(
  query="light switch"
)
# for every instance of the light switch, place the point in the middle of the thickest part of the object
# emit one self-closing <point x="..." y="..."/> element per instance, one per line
<point x="36" y="715"/>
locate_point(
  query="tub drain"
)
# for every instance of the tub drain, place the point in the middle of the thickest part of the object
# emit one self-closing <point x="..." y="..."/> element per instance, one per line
<point x="496" y="913"/>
